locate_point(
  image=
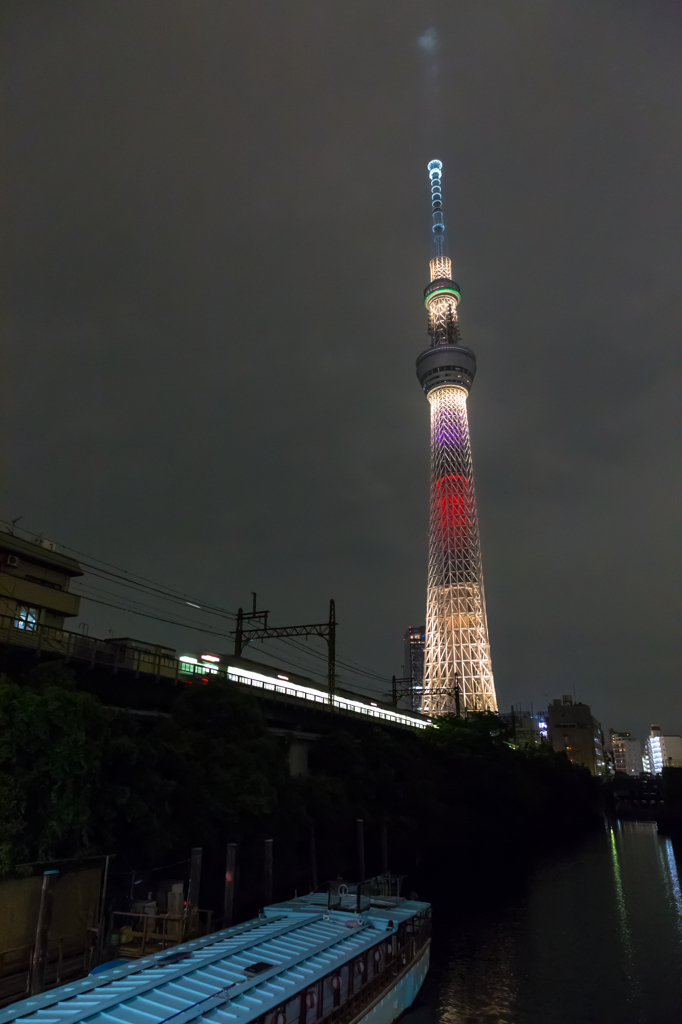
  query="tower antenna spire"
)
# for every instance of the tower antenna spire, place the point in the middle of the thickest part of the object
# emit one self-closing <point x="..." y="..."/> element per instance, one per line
<point x="438" y="224"/>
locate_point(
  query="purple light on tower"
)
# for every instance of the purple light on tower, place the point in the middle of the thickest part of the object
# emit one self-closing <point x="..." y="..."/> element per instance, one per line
<point x="457" y="672"/>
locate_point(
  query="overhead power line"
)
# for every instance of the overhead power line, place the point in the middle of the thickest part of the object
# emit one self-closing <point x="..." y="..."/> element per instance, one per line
<point x="146" y="615"/>
<point x="340" y="676"/>
<point x="146" y="586"/>
<point x="198" y="627"/>
<point x="86" y="591"/>
<point x="134" y="579"/>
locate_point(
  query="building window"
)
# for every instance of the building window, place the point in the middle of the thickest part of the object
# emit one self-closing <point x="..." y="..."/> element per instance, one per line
<point x="44" y="583"/>
<point x="26" y="617"/>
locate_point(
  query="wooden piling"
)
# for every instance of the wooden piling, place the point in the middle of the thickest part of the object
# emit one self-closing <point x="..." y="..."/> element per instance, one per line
<point x="384" y="848"/>
<point x="194" y="879"/>
<point x="230" y="878"/>
<point x="267" y="872"/>
<point x="313" y="858"/>
<point x="42" y="933"/>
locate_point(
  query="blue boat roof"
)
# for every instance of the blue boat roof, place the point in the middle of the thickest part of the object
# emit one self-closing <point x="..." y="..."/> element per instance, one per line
<point x="293" y="944"/>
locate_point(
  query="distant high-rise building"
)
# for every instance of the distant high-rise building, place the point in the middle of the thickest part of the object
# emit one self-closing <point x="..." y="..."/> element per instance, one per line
<point x="627" y="753"/>
<point x="413" y="643"/>
<point x="457" y="663"/>
<point x="662" y="751"/>
<point x="571" y="728"/>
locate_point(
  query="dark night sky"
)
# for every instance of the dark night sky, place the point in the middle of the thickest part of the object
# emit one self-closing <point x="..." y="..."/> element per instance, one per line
<point x="215" y="241"/>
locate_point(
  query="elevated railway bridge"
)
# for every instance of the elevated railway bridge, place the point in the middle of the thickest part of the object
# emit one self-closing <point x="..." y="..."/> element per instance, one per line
<point x="144" y="678"/>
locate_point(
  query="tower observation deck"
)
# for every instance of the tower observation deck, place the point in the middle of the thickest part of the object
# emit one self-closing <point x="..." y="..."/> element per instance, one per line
<point x="457" y="672"/>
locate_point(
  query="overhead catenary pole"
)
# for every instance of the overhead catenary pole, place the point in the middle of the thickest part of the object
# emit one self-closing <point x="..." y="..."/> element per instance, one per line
<point x="230" y="877"/>
<point x="42" y="932"/>
<point x="331" y="642"/>
<point x="238" y="634"/>
<point x="327" y="630"/>
<point x="403" y="687"/>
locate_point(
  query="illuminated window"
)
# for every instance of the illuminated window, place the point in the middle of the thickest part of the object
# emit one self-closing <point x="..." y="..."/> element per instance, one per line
<point x="26" y="617"/>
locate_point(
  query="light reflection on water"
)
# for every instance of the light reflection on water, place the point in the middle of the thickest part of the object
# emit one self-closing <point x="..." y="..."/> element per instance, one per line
<point x="675" y="892"/>
<point x="597" y="937"/>
<point x="624" y="930"/>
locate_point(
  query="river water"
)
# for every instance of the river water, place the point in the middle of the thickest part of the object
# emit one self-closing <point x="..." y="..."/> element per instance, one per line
<point x="595" y="936"/>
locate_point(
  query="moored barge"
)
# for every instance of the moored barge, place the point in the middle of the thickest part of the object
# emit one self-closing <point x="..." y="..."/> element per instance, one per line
<point x="303" y="961"/>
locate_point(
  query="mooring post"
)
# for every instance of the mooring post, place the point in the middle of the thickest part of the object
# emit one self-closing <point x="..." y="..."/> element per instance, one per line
<point x="194" y="879"/>
<point x="313" y="857"/>
<point x="230" y="873"/>
<point x="267" y="873"/>
<point x="384" y="848"/>
<point x="102" y="909"/>
<point x="361" y="848"/>
<point x="42" y="933"/>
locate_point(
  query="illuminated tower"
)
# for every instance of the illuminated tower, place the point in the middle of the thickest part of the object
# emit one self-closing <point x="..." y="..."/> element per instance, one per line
<point x="457" y="673"/>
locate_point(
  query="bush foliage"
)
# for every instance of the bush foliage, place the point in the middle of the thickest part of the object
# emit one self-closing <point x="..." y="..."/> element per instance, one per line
<point x="78" y="778"/>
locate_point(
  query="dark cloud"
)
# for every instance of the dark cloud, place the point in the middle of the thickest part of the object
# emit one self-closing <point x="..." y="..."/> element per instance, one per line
<point x="215" y="240"/>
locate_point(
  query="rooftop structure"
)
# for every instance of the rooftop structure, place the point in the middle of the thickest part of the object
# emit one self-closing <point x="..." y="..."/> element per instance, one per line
<point x="457" y="671"/>
<point x="528" y="729"/>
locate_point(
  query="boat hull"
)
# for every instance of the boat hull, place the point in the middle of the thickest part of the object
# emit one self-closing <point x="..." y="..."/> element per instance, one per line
<point x="391" y="1002"/>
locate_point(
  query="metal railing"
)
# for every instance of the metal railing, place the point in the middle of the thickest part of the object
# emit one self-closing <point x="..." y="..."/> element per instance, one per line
<point x="105" y="653"/>
<point x="345" y="705"/>
<point x="64" y="962"/>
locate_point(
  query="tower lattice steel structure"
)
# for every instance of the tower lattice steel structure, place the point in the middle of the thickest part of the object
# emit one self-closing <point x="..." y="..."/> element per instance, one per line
<point x="457" y="674"/>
